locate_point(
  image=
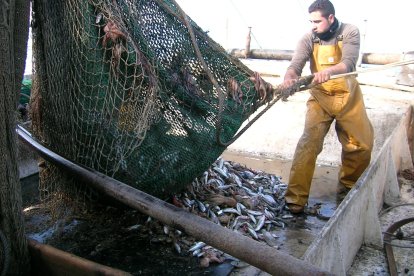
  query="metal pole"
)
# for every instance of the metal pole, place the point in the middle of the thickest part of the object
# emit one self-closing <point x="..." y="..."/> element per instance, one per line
<point x="257" y="254"/>
<point x="248" y="40"/>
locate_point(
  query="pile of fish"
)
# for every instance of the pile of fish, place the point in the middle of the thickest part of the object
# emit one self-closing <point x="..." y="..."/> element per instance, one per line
<point x="244" y="200"/>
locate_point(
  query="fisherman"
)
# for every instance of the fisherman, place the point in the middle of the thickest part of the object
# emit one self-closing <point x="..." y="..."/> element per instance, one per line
<point x="332" y="47"/>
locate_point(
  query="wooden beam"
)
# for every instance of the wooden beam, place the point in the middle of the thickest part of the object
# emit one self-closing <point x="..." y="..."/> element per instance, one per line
<point x="367" y="58"/>
<point x="47" y="260"/>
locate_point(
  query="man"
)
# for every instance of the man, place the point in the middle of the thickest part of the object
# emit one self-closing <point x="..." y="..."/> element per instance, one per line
<point x="332" y="48"/>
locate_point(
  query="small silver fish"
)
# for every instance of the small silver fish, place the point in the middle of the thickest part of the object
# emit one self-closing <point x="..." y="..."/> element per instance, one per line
<point x="231" y="211"/>
<point x="221" y="172"/>
<point x="205" y="177"/>
<point x="249" y="192"/>
<point x="260" y="223"/>
<point x="237" y="180"/>
<point x="187" y="202"/>
<point x="177" y="248"/>
<point x="268" y="214"/>
<point x="241" y="206"/>
<point x="278" y="223"/>
<point x="236" y="221"/>
<point x="98" y="18"/>
<point x="196" y="252"/>
<point x="201" y="206"/>
<point x="221" y="163"/>
<point x="252" y="218"/>
<point x="268" y="199"/>
<point x="252" y="233"/>
<point x="213" y="217"/>
<point x="134" y="227"/>
<point x="254" y="213"/>
<point x="198" y="245"/>
<point x="225" y="187"/>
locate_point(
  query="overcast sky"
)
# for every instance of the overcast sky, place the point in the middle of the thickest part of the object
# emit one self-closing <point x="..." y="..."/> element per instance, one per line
<point x="385" y="26"/>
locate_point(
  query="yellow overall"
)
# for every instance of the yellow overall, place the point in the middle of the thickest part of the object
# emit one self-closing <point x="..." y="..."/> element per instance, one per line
<point x="340" y="100"/>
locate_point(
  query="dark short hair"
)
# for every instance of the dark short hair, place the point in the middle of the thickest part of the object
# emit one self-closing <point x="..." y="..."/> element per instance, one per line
<point x="324" y="6"/>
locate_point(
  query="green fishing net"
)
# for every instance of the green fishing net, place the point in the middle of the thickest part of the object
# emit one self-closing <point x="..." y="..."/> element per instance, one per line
<point x="135" y="90"/>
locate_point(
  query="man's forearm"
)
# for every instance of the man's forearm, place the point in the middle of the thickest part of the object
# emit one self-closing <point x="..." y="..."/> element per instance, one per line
<point x="339" y="68"/>
<point x="290" y="74"/>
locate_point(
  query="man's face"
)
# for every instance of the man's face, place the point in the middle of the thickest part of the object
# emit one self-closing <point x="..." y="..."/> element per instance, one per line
<point x="319" y="23"/>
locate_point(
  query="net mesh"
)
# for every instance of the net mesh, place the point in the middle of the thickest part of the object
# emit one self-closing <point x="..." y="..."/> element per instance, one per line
<point x="135" y="91"/>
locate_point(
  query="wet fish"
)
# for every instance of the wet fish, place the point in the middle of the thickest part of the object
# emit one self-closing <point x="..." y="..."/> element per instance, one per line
<point x="134" y="227"/>
<point x="247" y="174"/>
<point x="177" y="248"/>
<point x="98" y="18"/>
<point x="252" y="218"/>
<point x="268" y="214"/>
<point x="221" y="172"/>
<point x="254" y="213"/>
<point x="198" y="245"/>
<point x="252" y="233"/>
<point x="231" y="210"/>
<point x="249" y="192"/>
<point x="268" y="199"/>
<point x="196" y="252"/>
<point x="187" y="202"/>
<point x="201" y="206"/>
<point x="238" y="198"/>
<point x="260" y="223"/>
<point x="236" y="221"/>
<point x="213" y="217"/>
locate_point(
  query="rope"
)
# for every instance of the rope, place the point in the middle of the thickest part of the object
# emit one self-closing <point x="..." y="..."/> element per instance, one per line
<point x="207" y="70"/>
<point x="302" y="84"/>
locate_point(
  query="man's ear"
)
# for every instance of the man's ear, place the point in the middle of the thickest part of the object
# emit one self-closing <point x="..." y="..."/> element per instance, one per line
<point x="331" y="18"/>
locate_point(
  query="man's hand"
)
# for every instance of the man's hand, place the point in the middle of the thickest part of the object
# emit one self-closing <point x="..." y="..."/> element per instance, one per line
<point x="322" y="76"/>
<point x="291" y="77"/>
<point x="287" y="83"/>
<point x="262" y="87"/>
<point x="289" y="86"/>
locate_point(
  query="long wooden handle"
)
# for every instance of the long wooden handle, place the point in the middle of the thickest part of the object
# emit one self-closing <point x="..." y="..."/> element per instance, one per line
<point x="379" y="68"/>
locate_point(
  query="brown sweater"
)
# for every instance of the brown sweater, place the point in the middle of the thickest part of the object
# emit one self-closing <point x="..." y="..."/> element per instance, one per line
<point x="350" y="48"/>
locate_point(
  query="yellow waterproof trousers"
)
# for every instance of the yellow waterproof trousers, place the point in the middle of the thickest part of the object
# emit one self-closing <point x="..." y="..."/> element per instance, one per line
<point x="354" y="132"/>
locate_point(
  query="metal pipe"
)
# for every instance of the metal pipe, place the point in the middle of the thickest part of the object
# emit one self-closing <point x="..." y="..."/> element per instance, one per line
<point x="257" y="254"/>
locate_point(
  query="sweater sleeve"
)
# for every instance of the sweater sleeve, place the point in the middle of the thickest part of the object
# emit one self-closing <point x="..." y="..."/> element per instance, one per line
<point x="350" y="46"/>
<point x="302" y="54"/>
